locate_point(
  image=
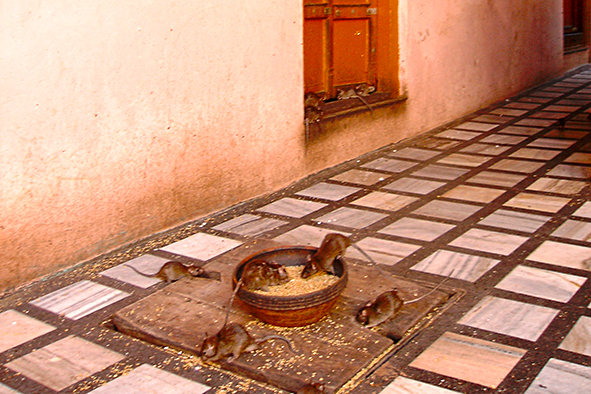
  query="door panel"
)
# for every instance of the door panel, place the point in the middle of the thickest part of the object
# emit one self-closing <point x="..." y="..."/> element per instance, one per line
<point x="316" y="39"/>
<point x="351" y="51"/>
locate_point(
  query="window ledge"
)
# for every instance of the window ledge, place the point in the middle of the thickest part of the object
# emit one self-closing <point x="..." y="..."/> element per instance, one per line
<point x="343" y="108"/>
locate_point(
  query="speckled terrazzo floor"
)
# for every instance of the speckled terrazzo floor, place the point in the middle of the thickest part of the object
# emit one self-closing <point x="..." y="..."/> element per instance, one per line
<point x="498" y="200"/>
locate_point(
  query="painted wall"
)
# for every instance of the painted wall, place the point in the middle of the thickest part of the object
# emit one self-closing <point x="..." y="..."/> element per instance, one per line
<point x="122" y="118"/>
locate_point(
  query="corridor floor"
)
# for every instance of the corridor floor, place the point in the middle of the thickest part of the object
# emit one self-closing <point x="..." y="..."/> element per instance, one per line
<point x="499" y="201"/>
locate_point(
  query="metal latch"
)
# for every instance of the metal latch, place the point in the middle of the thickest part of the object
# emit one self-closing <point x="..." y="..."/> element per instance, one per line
<point x="372" y="11"/>
<point x="327" y="10"/>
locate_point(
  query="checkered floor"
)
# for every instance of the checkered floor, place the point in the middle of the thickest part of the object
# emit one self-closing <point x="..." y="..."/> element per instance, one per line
<point x="498" y="201"/>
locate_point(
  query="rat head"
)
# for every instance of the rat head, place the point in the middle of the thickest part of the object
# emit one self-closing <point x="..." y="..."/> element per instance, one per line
<point x="362" y="316"/>
<point x="311" y="268"/>
<point x="209" y="348"/>
<point x="279" y="272"/>
<point x="195" y="270"/>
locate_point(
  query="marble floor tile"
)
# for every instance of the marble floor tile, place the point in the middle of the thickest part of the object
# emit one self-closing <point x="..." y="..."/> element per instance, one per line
<point x="485" y="149"/>
<point x="578" y="339"/>
<point x="360" y="177"/>
<point x="558" y="186"/>
<point x="292" y="207"/>
<point x="413" y="185"/>
<point x="147" y="263"/>
<point x="580" y="158"/>
<point x="561" y="377"/>
<point x="561" y="254"/>
<point x="508" y="111"/>
<point x="584" y="210"/>
<point x="441" y="172"/>
<point x="470" y="359"/>
<point x="562" y="108"/>
<point x="532" y="99"/>
<point x="460" y="159"/>
<point x="7" y="390"/>
<point x="508" y="317"/>
<point x="513" y="220"/>
<point x="521" y="130"/>
<point x="535" y="122"/>
<point x="328" y="191"/>
<point x="147" y="379"/>
<point x="402" y="385"/>
<point x="522" y="166"/>
<point x="456" y="265"/>
<point x="535" y="154"/>
<point x="474" y="193"/>
<point x="474" y="126"/>
<point x="79" y="299"/>
<point x="437" y="143"/>
<point x="249" y="225"/>
<point x="461" y="135"/>
<point x="414" y="154"/>
<point x="496" y="179"/>
<point x="503" y="139"/>
<point x="389" y="165"/>
<point x="537" y="202"/>
<point x="489" y="241"/>
<point x="492" y="118"/>
<point x="383" y="251"/>
<point x="350" y="217"/>
<point x="305" y="235"/>
<point x="549" y="115"/>
<point x="551" y="143"/>
<point x="528" y="106"/>
<point x="202" y="246"/>
<point x="385" y="201"/>
<point x="424" y="230"/>
<point x="17" y="328"/>
<point x="579" y="103"/>
<point x="541" y="283"/>
<point x="447" y="210"/>
<point x="571" y="171"/>
<point x="566" y="134"/>
<point x="64" y="362"/>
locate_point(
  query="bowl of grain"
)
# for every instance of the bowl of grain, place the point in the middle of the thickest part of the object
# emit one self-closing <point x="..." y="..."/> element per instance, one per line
<point x="298" y="302"/>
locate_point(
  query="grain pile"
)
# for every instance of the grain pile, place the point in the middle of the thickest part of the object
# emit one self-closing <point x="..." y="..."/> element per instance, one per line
<point x="298" y="286"/>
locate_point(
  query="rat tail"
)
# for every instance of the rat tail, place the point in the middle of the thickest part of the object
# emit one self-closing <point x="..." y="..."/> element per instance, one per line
<point x="139" y="272"/>
<point x="269" y="337"/>
<point x="432" y="290"/>
<point x="231" y="301"/>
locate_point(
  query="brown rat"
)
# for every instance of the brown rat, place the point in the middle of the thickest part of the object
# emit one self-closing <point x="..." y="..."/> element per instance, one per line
<point x="357" y="92"/>
<point x="313" y="388"/>
<point x="385" y="306"/>
<point x="333" y="245"/>
<point x="233" y="340"/>
<point x="172" y="271"/>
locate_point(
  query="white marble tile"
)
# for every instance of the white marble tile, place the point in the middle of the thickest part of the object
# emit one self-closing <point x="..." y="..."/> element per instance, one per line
<point x="460" y="159"/>
<point x="7" y="390"/>
<point x="328" y="191"/>
<point x="447" y="210"/>
<point x="474" y="126"/>
<point x="147" y="379"/>
<point x="485" y="149"/>
<point x="386" y="201"/>
<point x="540" y="283"/>
<point x="508" y="317"/>
<point x="474" y="193"/>
<point x="413" y="185"/>
<point x="571" y="171"/>
<point x="578" y="339"/>
<point x="65" y="362"/>
<point x="561" y="377"/>
<point x="202" y="246"/>
<point x="383" y="251"/>
<point x="522" y="105"/>
<point x="17" y="328"/>
<point x="537" y="202"/>
<point x="491" y="118"/>
<point x="535" y="122"/>
<point x="584" y="210"/>
<point x="489" y="241"/>
<point x="535" y="154"/>
<point x="146" y="263"/>
<point x="562" y="254"/>
<point x="414" y="154"/>
<point x="424" y="230"/>
<point x="513" y="165"/>
<point x="305" y="235"/>
<point x="574" y="229"/>
<point x="359" y="177"/>
<point x="441" y="172"/>
<point x="350" y="217"/>
<point x="508" y="111"/>
<point x="402" y="385"/>
<point x="470" y="359"/>
<point x="580" y="158"/>
<point x="389" y="165"/>
<point x="496" y="178"/>
<point x="79" y="299"/>
<point x="549" y="115"/>
<point x="456" y="265"/>
<point x="513" y="220"/>
<point x="249" y="225"/>
<point x="558" y="186"/>
<point x="551" y="143"/>
<point x="458" y="134"/>
<point x="503" y="139"/>
<point x="562" y="108"/>
<point x="520" y="130"/>
<point x="292" y="207"/>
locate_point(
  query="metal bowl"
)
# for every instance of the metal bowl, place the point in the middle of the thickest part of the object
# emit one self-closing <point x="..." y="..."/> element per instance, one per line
<point x="290" y="311"/>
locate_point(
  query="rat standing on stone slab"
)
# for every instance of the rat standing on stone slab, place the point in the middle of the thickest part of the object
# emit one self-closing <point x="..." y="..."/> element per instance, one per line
<point x="172" y="271"/>
<point x="234" y="340"/>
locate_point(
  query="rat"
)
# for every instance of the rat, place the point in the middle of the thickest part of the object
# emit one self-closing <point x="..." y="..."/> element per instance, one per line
<point x="313" y="100"/>
<point x="358" y="92"/>
<point x="172" y="271"/>
<point x="312" y="115"/>
<point x="234" y="340"/>
<point x="332" y="246"/>
<point x="313" y="388"/>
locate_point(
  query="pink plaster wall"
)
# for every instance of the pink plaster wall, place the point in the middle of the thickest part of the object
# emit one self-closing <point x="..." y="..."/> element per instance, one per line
<point x="124" y="118"/>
